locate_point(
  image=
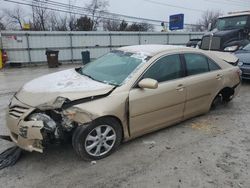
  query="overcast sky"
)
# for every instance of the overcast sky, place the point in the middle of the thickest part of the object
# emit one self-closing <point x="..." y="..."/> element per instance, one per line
<point x="160" y="9"/>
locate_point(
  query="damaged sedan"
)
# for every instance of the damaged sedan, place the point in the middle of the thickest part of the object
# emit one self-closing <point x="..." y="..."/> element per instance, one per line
<point x="124" y="94"/>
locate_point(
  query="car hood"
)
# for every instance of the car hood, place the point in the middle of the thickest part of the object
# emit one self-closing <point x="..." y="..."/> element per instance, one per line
<point x="243" y="55"/>
<point x="68" y="84"/>
<point x="223" y="33"/>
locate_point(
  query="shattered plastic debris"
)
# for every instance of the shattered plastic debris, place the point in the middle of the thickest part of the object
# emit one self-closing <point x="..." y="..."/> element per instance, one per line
<point x="149" y="142"/>
<point x="93" y="162"/>
<point x="205" y="127"/>
<point x="10" y="156"/>
<point x="5" y="137"/>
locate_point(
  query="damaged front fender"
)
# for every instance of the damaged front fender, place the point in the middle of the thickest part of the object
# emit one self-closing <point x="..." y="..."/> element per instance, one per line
<point x="54" y="104"/>
<point x="79" y="115"/>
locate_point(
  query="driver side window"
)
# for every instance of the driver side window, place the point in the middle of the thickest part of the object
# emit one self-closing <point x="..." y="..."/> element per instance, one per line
<point x="166" y="68"/>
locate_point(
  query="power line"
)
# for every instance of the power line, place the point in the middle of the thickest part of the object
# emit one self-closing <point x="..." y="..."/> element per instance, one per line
<point x="175" y="6"/>
<point x="72" y="12"/>
<point x="225" y="2"/>
<point x="239" y="1"/>
<point x="103" y="12"/>
<point x="60" y="7"/>
<point x="108" y="13"/>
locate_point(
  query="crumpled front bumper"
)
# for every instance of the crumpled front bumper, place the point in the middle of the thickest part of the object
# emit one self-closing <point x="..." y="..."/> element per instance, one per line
<point x="26" y="134"/>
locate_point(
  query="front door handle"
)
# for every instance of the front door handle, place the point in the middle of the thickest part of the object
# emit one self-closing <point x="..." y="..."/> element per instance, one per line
<point x="180" y="87"/>
<point x="219" y="76"/>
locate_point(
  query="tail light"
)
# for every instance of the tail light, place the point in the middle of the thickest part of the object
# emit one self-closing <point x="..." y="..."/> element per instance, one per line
<point x="236" y="63"/>
<point x="239" y="73"/>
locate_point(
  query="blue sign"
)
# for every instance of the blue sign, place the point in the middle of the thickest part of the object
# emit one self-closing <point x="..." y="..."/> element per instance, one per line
<point x="176" y="22"/>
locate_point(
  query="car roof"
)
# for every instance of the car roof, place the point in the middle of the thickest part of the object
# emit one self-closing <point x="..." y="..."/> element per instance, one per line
<point x="153" y="49"/>
<point x="235" y="14"/>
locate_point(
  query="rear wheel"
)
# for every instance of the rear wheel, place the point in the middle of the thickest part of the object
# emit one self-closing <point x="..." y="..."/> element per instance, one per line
<point x="98" y="139"/>
<point x="225" y="96"/>
<point x="217" y="100"/>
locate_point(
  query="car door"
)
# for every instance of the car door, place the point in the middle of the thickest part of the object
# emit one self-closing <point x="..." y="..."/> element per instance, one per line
<point x="151" y="109"/>
<point x="203" y="80"/>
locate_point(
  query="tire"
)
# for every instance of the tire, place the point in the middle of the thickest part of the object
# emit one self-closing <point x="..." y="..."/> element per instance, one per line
<point x="227" y="98"/>
<point x="217" y="100"/>
<point x="227" y="95"/>
<point x="75" y="135"/>
<point x="98" y="139"/>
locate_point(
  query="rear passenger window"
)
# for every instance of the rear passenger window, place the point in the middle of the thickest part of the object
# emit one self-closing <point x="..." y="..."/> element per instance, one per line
<point x="196" y="64"/>
<point x="166" y="68"/>
<point x="213" y="66"/>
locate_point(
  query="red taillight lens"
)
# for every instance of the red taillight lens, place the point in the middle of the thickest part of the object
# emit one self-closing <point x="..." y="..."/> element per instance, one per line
<point x="239" y="72"/>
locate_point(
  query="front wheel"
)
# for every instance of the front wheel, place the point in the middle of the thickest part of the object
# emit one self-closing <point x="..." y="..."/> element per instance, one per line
<point x="98" y="139"/>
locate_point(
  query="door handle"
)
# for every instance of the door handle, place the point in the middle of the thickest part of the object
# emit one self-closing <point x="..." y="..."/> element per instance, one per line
<point x="180" y="87"/>
<point x="219" y="76"/>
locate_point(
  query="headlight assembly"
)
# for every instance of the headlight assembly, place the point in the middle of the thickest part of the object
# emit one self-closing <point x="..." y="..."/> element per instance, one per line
<point x="231" y="48"/>
<point x="49" y="123"/>
<point x="240" y="64"/>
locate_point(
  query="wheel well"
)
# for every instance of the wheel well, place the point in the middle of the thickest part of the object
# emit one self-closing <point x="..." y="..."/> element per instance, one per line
<point x="115" y="119"/>
<point x="226" y="92"/>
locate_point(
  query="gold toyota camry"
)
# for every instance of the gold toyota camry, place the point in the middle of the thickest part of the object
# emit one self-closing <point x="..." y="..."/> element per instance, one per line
<point x="124" y="94"/>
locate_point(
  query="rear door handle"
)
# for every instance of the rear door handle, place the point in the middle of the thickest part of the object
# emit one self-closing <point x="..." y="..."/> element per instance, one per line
<point x="180" y="87"/>
<point x="219" y="76"/>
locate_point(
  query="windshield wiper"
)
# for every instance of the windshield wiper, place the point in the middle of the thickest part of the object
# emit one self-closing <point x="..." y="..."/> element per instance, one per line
<point x="84" y="74"/>
<point x="90" y="77"/>
<point x="110" y="83"/>
<point x="229" y="27"/>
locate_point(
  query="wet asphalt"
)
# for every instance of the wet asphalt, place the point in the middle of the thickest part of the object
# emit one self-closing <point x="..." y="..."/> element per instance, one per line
<point x="212" y="150"/>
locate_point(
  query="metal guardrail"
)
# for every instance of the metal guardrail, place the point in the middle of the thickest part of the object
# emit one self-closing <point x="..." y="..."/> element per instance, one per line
<point x="30" y="46"/>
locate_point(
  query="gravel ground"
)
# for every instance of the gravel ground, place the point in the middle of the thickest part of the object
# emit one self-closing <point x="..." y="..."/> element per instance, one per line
<point x="212" y="150"/>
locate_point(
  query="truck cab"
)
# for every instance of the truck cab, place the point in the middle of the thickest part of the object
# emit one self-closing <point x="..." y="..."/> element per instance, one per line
<point x="231" y="32"/>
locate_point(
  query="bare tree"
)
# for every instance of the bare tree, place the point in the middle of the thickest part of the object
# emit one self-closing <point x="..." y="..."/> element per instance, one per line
<point x="193" y="28"/>
<point x="72" y="22"/>
<point x="58" y="22"/>
<point x="40" y="15"/>
<point x="97" y="9"/>
<point x="123" y="25"/>
<point x="84" y="24"/>
<point x="2" y="26"/>
<point x="206" y="18"/>
<point x="72" y="17"/>
<point x="146" y="26"/>
<point x="15" y="17"/>
<point x="140" y="27"/>
<point x="111" y="25"/>
<point x="114" y="25"/>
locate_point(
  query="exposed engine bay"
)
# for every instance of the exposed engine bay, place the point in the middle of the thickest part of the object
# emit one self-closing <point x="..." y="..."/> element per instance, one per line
<point x="55" y="130"/>
<point x="57" y="126"/>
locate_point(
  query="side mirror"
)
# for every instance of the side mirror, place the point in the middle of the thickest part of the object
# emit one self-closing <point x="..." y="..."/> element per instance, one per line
<point x="209" y="28"/>
<point x="148" y="83"/>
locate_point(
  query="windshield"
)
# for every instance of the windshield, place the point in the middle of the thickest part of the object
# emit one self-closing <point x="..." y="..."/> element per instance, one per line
<point x="237" y="22"/>
<point x="114" y="67"/>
